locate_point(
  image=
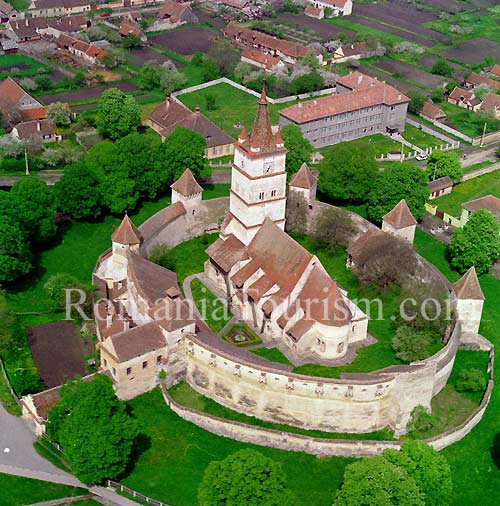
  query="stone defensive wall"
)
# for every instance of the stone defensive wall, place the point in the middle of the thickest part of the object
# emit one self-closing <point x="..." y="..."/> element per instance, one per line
<point x="246" y="383"/>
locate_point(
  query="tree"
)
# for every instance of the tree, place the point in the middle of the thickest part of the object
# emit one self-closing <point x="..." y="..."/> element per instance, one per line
<point x="429" y="469"/>
<point x="471" y="380"/>
<point x="148" y="77"/>
<point x="94" y="429"/>
<point x="55" y="290"/>
<point x="385" y="260"/>
<point x="444" y="163"/>
<point x="183" y="149"/>
<point x="299" y="148"/>
<point x="347" y="174"/>
<point x="118" y="114"/>
<point x="377" y="482"/>
<point x="15" y="255"/>
<point x="77" y="192"/>
<point x="441" y="68"/>
<point x="162" y="255"/>
<point x="43" y="82"/>
<point x="310" y="60"/>
<point x="131" y="41"/>
<point x="210" y="69"/>
<point x="410" y="344"/>
<point x="307" y="83"/>
<point x="421" y="420"/>
<point x="395" y="183"/>
<point x="33" y="205"/>
<point x="246" y="477"/>
<point x="334" y="227"/>
<point x="477" y="243"/>
<point x="225" y="55"/>
<point x="210" y="102"/>
<point x="437" y="95"/>
<point x="481" y="91"/>
<point x="171" y="80"/>
<point x="242" y="70"/>
<point x="417" y="101"/>
<point x="58" y="113"/>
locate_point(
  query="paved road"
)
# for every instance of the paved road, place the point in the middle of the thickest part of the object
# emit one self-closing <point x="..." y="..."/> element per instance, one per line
<point x="478" y="156"/>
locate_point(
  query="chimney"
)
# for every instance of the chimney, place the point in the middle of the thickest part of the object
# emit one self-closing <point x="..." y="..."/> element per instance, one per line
<point x="300" y="104"/>
<point x="38" y="126"/>
<point x="315" y="102"/>
<point x="360" y="78"/>
<point x="197" y="109"/>
<point x="109" y="316"/>
<point x="399" y="96"/>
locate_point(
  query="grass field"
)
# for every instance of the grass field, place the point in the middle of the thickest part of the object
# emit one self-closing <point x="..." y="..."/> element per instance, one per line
<point x="186" y="396"/>
<point x="214" y="311"/>
<point x="468" y="122"/>
<point x="273" y="354"/>
<point x="231" y="106"/>
<point x="15" y="491"/>
<point x="9" y="61"/>
<point x="175" y="453"/>
<point x="489" y="184"/>
<point x="420" y="138"/>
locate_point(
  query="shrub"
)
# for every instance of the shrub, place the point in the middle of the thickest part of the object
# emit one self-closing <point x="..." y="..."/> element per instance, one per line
<point x="421" y="419"/>
<point x="410" y="344"/>
<point x="162" y="255"/>
<point x="471" y="380"/>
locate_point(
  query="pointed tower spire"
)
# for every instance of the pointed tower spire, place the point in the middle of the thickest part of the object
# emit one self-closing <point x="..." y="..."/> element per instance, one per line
<point x="243" y="135"/>
<point x="261" y="136"/>
<point x="279" y="140"/>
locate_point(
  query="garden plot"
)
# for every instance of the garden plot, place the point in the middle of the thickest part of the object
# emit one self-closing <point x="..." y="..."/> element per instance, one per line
<point x="325" y="31"/>
<point x="140" y="56"/>
<point x="185" y="41"/>
<point x="87" y="93"/>
<point x="449" y="6"/>
<point x="473" y="51"/>
<point x="406" y="71"/>
<point x="382" y="76"/>
<point x="429" y="60"/>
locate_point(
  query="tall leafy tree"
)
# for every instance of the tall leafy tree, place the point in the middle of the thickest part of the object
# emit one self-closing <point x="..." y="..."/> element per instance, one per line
<point x="58" y="113"/>
<point x="118" y="114"/>
<point x="377" y="482"/>
<point x="245" y="478"/>
<point x="347" y="174"/>
<point x="476" y="244"/>
<point x="183" y="149"/>
<point x="94" y="429"/>
<point x="299" y="148"/>
<point x="444" y="163"/>
<point x="396" y="182"/>
<point x="15" y="255"/>
<point x="225" y="54"/>
<point x="77" y="192"/>
<point x="430" y="470"/>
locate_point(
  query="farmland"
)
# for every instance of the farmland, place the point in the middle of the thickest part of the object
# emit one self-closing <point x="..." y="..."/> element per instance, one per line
<point x="185" y="40"/>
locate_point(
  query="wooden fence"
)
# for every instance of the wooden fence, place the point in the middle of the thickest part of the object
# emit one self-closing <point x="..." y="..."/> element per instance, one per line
<point x="118" y="487"/>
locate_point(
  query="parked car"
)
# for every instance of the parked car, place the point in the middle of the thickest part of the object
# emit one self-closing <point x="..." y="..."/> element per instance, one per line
<point x="421" y="156"/>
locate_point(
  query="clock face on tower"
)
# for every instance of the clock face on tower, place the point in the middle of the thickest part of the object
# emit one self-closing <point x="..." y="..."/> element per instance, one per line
<point x="268" y="167"/>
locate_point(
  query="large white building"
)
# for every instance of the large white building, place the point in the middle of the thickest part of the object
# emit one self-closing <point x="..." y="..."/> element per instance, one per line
<point x="275" y="284"/>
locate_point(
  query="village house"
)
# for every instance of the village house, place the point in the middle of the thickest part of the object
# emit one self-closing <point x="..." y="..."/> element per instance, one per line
<point x="288" y="51"/>
<point x="262" y="60"/>
<point x="127" y="26"/>
<point x="314" y="12"/>
<point x="439" y="187"/>
<point x="32" y="29"/>
<point x="14" y="101"/>
<point x="362" y="106"/>
<point x="464" y="98"/>
<point x="491" y="103"/>
<point x="25" y="30"/>
<point x="474" y="79"/>
<point x="432" y="112"/>
<point x="495" y="71"/>
<point x="352" y="51"/>
<point x="43" y="129"/>
<point x="489" y="203"/>
<point x="171" y="114"/>
<point x="175" y="14"/>
<point x="8" y="46"/>
<point x="88" y="52"/>
<point x="53" y="8"/>
<point x="7" y="12"/>
<point x="336" y="7"/>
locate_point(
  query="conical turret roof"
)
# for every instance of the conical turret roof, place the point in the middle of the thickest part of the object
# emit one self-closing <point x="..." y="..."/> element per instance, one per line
<point x="468" y="287"/>
<point x="127" y="233"/>
<point x="186" y="185"/>
<point x="304" y="178"/>
<point x="400" y="216"/>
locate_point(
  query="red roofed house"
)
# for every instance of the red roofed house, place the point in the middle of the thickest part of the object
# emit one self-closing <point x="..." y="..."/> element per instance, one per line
<point x="275" y="284"/>
<point x="362" y="106"/>
<point x="464" y="98"/>
<point x="489" y="203"/>
<point x="43" y="129"/>
<point x="314" y="12"/>
<point x="290" y="52"/>
<point x="352" y="51"/>
<point x="58" y="8"/>
<point x="88" y="52"/>
<point x="491" y="103"/>
<point x="440" y="186"/>
<point x="432" y="112"/>
<point x="176" y="14"/>
<point x="261" y="60"/>
<point x="171" y="114"/>
<point x="14" y="101"/>
<point x="131" y="27"/>
<point x="7" y="12"/>
<point x="400" y="222"/>
<point x="495" y="71"/>
<point x="474" y="79"/>
<point x="338" y="7"/>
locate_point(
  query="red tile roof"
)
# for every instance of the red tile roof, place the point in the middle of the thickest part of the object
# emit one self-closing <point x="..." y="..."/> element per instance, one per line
<point x="259" y="57"/>
<point x="312" y="11"/>
<point x="477" y="79"/>
<point x="226" y="253"/>
<point x="495" y="70"/>
<point x="34" y="113"/>
<point x="6" y="7"/>
<point x="400" y="216"/>
<point x="432" y="111"/>
<point x="460" y="94"/>
<point x="489" y="203"/>
<point x="304" y="178"/>
<point x="186" y="185"/>
<point x="36" y="128"/>
<point x="10" y="95"/>
<point x="127" y="233"/>
<point x="172" y="10"/>
<point x="468" y="287"/>
<point x="354" y="49"/>
<point x="491" y="102"/>
<point x="331" y="105"/>
<point x="336" y="3"/>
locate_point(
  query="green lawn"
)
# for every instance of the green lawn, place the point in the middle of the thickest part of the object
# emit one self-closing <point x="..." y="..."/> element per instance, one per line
<point x="470" y="123"/>
<point x="419" y="138"/>
<point x="174" y="454"/>
<point x="477" y="166"/>
<point x="476" y="477"/>
<point x="15" y="490"/>
<point x="232" y="106"/>
<point x="489" y="184"/>
<point x="273" y="354"/>
<point x="213" y="311"/>
<point x="19" y="5"/>
<point x="186" y="396"/>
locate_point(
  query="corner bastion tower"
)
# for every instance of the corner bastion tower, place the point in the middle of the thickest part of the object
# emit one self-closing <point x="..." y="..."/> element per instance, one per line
<point x="258" y="181"/>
